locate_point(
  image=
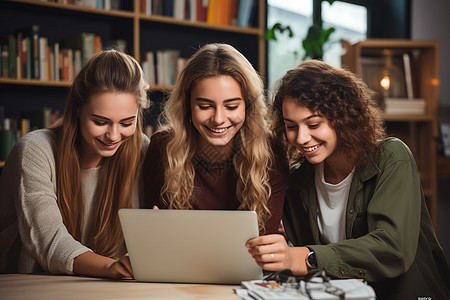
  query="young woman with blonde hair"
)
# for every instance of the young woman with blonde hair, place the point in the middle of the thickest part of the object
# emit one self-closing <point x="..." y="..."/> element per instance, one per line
<point x="214" y="150"/>
<point x="61" y="188"/>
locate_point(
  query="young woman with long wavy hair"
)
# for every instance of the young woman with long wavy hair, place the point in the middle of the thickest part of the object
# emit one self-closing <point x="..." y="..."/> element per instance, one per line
<point x="214" y="150"/>
<point x="354" y="203"/>
<point x="62" y="187"/>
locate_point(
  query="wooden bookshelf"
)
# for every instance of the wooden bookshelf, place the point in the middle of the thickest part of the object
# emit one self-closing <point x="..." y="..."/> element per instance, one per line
<point x="141" y="32"/>
<point x="419" y="132"/>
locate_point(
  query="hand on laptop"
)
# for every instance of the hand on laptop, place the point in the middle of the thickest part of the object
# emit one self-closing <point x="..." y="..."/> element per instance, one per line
<point x="272" y="253"/>
<point x="121" y="268"/>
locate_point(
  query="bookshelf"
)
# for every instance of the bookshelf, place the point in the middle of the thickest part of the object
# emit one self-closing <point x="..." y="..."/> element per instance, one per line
<point x="141" y="32"/>
<point x="419" y="131"/>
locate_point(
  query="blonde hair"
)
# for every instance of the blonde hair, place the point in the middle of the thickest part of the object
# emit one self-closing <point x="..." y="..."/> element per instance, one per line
<point x="251" y="147"/>
<point x="114" y="72"/>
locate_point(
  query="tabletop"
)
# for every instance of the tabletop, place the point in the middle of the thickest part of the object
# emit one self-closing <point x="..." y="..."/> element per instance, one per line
<point x="33" y="286"/>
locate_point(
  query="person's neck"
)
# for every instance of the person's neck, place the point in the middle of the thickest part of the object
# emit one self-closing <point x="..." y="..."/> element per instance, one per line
<point x="337" y="168"/>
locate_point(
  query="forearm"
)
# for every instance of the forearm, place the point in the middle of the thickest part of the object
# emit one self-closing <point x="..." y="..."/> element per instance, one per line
<point x="92" y="264"/>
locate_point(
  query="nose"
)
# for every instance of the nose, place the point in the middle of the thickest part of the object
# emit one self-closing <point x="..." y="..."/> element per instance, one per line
<point x="113" y="133"/>
<point x="219" y="115"/>
<point x="303" y="135"/>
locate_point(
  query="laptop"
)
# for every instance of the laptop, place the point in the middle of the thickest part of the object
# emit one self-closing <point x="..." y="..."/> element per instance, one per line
<point x="190" y="246"/>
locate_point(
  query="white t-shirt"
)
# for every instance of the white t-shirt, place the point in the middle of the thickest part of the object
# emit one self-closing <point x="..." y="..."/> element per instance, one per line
<point x="332" y="203"/>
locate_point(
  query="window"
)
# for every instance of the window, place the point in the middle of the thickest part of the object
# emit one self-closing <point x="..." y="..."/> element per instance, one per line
<point x="349" y="21"/>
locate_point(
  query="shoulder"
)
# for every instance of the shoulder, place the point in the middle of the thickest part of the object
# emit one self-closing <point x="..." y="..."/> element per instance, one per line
<point x="43" y="140"/>
<point x="157" y="145"/>
<point x="32" y="154"/>
<point x="393" y="149"/>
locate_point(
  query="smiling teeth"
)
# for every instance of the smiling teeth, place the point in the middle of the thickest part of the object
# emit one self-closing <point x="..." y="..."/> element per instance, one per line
<point x="108" y="144"/>
<point x="311" y="148"/>
<point x="220" y="130"/>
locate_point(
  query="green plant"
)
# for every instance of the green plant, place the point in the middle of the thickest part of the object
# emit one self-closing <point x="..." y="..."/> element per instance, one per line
<point x="314" y="40"/>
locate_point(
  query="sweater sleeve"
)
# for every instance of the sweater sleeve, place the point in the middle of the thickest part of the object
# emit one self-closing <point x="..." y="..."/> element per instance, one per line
<point x="31" y="175"/>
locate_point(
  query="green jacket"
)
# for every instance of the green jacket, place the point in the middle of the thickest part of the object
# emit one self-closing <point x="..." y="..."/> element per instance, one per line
<point x="390" y="241"/>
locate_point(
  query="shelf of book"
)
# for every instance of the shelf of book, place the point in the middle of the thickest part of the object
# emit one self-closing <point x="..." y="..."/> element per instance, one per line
<point x="407" y="118"/>
<point x="417" y="65"/>
<point x="230" y="28"/>
<point x="129" y="29"/>
<point x="60" y="5"/>
<point x="34" y="82"/>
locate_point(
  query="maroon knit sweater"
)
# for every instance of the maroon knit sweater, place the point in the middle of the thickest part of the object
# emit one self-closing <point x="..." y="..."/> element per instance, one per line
<point x="214" y="183"/>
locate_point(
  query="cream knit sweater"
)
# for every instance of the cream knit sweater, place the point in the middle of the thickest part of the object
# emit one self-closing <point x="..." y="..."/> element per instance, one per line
<point x="33" y="237"/>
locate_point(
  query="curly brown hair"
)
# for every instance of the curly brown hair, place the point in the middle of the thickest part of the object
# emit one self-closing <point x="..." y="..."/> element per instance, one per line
<point x="339" y="96"/>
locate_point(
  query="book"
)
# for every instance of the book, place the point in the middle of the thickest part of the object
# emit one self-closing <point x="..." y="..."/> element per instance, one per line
<point x="193" y="10"/>
<point x="26" y="58"/>
<point x="19" y="51"/>
<point x="12" y="59"/>
<point x="6" y="139"/>
<point x="5" y="60"/>
<point x="148" y="66"/>
<point x="179" y="9"/>
<point x="404" y="106"/>
<point x="39" y="117"/>
<point x="408" y="76"/>
<point x="168" y="8"/>
<point x="84" y="41"/>
<point x="202" y="8"/>
<point x="43" y="44"/>
<point x="56" y="60"/>
<point x="245" y="12"/>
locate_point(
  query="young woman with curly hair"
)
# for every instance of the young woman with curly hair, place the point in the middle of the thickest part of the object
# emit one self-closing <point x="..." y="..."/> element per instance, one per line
<point x="354" y="204"/>
<point x="62" y="187"/>
<point x="214" y="150"/>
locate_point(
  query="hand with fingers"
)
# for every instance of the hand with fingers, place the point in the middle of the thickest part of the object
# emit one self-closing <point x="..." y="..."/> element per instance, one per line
<point x="272" y="253"/>
<point x="121" y="268"/>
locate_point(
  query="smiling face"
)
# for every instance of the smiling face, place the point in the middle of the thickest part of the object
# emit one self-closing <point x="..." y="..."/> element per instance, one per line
<point x="218" y="110"/>
<point x="309" y="132"/>
<point x="105" y="123"/>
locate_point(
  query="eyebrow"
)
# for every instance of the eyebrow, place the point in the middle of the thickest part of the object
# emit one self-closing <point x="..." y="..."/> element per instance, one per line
<point x="211" y="101"/>
<point x="107" y="119"/>
<point x="307" y="118"/>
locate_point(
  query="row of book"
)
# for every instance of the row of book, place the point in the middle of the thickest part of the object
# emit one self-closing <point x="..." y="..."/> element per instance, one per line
<point x="26" y="54"/>
<point x="240" y="13"/>
<point x="100" y="4"/>
<point x="11" y="129"/>
<point x="161" y="67"/>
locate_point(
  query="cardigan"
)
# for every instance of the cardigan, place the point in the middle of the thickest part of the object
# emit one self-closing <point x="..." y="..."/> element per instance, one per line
<point x="390" y="241"/>
<point x="214" y="183"/>
<point x="33" y="237"/>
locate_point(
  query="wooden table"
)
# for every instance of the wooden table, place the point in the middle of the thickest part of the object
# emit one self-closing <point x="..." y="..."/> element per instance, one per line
<point x="31" y="286"/>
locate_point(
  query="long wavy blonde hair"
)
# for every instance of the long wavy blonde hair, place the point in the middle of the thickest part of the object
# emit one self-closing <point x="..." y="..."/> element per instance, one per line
<point x="252" y="155"/>
<point x="114" y="72"/>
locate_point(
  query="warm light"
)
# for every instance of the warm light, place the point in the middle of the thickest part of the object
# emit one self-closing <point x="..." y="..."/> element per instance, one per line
<point x="435" y="82"/>
<point x="385" y="82"/>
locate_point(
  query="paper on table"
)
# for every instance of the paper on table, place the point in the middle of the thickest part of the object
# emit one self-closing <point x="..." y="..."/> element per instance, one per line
<point x="266" y="290"/>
